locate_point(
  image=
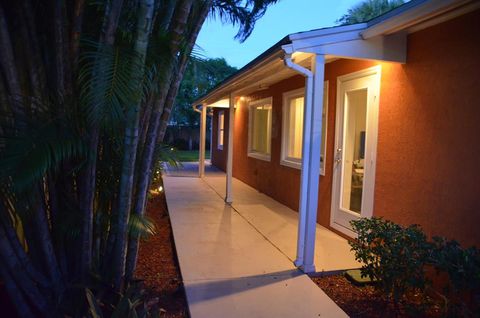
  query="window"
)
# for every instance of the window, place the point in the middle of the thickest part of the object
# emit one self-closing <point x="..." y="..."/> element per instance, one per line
<point x="292" y="132"/>
<point x="221" y="129"/>
<point x="260" y="129"/>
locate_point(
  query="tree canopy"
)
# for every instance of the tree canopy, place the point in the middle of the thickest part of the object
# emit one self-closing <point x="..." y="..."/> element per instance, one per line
<point x="200" y="76"/>
<point x="368" y="10"/>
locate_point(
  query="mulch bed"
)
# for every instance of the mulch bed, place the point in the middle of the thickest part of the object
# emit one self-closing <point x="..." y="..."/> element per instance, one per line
<point x="158" y="266"/>
<point x="364" y="301"/>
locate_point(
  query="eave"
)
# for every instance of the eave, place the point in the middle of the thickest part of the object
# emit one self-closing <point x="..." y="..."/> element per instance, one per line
<point x="383" y="38"/>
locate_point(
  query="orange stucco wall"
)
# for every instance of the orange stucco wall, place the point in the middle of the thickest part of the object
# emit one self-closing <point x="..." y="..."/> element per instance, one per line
<point x="428" y="153"/>
<point x="271" y="178"/>
<point x="428" y="161"/>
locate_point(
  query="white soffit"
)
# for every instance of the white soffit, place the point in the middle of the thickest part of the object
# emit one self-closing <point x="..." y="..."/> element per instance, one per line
<point x="222" y="103"/>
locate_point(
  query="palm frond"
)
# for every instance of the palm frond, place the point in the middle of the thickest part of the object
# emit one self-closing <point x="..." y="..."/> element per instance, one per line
<point x="165" y="154"/>
<point x="26" y="156"/>
<point x="141" y="226"/>
<point x="106" y="85"/>
<point x="243" y="13"/>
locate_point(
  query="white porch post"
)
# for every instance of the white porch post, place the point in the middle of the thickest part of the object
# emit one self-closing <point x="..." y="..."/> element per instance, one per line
<point x="311" y="164"/>
<point x="302" y="209"/>
<point x="231" y="123"/>
<point x="211" y="137"/>
<point x="203" y="134"/>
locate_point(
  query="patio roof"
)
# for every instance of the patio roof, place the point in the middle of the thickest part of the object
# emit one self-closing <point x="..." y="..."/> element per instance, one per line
<point x="305" y="54"/>
<point x="382" y="38"/>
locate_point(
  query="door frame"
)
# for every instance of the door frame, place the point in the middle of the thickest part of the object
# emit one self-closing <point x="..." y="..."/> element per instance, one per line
<point x="370" y="146"/>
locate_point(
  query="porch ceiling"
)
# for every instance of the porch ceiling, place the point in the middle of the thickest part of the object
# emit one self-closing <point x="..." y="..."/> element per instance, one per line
<point x="262" y="78"/>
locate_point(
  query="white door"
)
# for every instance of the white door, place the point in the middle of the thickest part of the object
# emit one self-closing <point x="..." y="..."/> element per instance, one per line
<point x="355" y="148"/>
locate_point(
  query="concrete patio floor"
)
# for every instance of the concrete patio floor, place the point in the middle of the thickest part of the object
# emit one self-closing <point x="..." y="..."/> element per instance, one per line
<point x="275" y="221"/>
<point x="236" y="261"/>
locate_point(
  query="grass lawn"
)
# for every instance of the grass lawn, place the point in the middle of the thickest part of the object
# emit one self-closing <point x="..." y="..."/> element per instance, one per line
<point x="189" y="155"/>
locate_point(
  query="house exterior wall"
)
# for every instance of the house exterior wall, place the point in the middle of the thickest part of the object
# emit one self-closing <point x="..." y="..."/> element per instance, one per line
<point x="428" y="153"/>
<point x="428" y="167"/>
<point x="219" y="156"/>
<point x="270" y="177"/>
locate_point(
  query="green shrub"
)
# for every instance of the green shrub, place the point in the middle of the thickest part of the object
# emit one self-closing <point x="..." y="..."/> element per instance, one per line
<point x="395" y="257"/>
<point x="462" y="266"/>
<point x="392" y="255"/>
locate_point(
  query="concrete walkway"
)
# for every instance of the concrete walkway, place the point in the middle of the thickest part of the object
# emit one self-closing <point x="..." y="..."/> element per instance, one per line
<point x="275" y="221"/>
<point x="231" y="269"/>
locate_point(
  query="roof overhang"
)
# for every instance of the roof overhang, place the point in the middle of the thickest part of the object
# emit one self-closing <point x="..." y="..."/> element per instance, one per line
<point x="417" y="15"/>
<point x="383" y="39"/>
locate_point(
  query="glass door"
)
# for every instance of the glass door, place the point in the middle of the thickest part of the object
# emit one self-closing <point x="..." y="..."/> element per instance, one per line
<point x="354" y="166"/>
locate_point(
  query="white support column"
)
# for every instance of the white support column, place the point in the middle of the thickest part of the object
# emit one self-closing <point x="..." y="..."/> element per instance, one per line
<point x="311" y="166"/>
<point x="211" y="136"/>
<point x="231" y="123"/>
<point x="302" y="210"/>
<point x="201" y="146"/>
<point x="306" y="158"/>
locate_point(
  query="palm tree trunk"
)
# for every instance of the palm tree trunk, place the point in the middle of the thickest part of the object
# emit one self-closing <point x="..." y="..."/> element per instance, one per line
<point x="144" y="26"/>
<point x="146" y="167"/>
<point x="59" y="60"/>
<point x="165" y="13"/>
<point x="19" y="301"/>
<point x="54" y="206"/>
<point x="24" y="261"/>
<point x="43" y="236"/>
<point x="110" y="27"/>
<point x="31" y="35"/>
<point x="145" y="121"/>
<point x="173" y="90"/>
<point x="76" y="31"/>
<point x="87" y="178"/>
<point x="23" y="283"/>
<point x="7" y="63"/>
<point x="32" y="67"/>
<point x="4" y="102"/>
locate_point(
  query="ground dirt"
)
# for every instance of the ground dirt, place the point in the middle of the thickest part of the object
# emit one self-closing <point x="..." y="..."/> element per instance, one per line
<point x="158" y="266"/>
<point x="364" y="301"/>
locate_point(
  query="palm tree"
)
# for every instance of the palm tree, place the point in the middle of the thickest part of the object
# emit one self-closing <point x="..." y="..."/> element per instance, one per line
<point x="368" y="10"/>
<point x="83" y="110"/>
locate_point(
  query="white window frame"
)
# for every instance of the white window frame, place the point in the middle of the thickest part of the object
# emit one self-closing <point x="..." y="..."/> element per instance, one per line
<point x="251" y="105"/>
<point x="220" y="129"/>
<point x="368" y="195"/>
<point x="285" y="160"/>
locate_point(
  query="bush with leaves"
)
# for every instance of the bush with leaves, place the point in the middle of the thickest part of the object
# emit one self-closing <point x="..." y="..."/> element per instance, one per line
<point x="462" y="266"/>
<point x="392" y="255"/>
